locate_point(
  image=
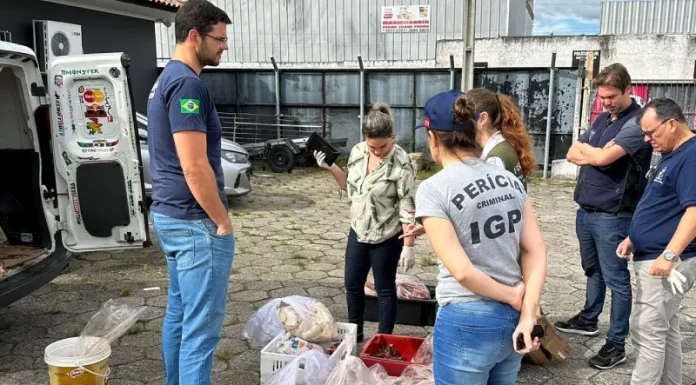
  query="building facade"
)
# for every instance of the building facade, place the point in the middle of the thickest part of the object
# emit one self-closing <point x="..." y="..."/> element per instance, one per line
<point x="648" y="17"/>
<point x="325" y="32"/>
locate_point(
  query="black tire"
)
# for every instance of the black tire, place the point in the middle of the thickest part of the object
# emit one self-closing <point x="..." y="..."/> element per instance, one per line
<point x="280" y="159"/>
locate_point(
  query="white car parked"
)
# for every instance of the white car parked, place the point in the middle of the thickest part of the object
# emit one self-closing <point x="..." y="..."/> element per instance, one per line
<point x="235" y="163"/>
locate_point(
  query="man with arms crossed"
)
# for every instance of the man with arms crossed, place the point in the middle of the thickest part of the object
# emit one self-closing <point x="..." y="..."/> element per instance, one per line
<point x="614" y="160"/>
<point x="189" y="206"/>
<point x="661" y="240"/>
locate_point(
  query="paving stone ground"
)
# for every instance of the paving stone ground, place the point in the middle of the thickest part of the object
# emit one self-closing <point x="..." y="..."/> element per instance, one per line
<point x="291" y="234"/>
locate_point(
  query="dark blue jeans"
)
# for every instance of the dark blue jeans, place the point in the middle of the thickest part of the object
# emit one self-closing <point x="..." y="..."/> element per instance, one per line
<point x="599" y="235"/>
<point x="383" y="258"/>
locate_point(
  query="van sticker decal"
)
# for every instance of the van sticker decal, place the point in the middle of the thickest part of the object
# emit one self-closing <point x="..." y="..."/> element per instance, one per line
<point x="97" y="143"/>
<point x="71" y="110"/>
<point x="98" y="149"/>
<point x="107" y="107"/>
<point x="98" y="96"/>
<point x="67" y="160"/>
<point x="95" y="111"/>
<point x="75" y="202"/>
<point x="115" y="72"/>
<point x="58" y="80"/>
<point x="93" y="126"/>
<point x="130" y="197"/>
<point x="88" y="96"/>
<point x="81" y="89"/>
<point x="90" y="71"/>
<point x="61" y="128"/>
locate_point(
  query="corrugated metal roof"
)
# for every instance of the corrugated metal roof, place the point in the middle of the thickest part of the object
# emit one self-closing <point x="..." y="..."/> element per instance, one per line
<point x="648" y="17"/>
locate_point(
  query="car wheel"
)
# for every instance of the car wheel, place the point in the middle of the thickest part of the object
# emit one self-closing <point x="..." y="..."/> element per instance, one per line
<point x="281" y="159"/>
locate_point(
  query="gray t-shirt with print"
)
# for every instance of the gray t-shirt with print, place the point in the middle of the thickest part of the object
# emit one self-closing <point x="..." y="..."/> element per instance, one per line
<point x="485" y="205"/>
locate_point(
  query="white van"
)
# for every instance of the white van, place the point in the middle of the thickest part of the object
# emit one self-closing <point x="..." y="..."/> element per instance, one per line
<point x="71" y="170"/>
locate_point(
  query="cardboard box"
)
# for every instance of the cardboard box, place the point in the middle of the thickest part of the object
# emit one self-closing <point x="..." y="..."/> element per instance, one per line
<point x="553" y="347"/>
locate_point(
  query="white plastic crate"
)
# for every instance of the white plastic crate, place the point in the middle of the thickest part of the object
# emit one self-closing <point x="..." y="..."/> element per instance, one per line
<point x="273" y="362"/>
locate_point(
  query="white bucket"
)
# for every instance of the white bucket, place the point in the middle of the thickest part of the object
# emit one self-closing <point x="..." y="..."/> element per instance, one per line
<point x="65" y="368"/>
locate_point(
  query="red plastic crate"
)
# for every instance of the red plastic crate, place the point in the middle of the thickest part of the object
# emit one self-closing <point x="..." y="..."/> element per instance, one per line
<point x="406" y="346"/>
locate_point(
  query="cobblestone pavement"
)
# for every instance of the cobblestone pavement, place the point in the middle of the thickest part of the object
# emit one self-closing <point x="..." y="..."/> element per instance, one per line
<point x="291" y="235"/>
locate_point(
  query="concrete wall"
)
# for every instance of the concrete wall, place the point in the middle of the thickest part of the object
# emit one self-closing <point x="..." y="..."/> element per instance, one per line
<point x="101" y="32"/>
<point x="647" y="57"/>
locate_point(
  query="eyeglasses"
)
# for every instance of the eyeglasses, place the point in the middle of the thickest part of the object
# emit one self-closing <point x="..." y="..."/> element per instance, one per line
<point x="650" y="133"/>
<point x="221" y="40"/>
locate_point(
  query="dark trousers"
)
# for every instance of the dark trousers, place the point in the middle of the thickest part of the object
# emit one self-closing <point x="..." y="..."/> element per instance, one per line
<point x="599" y="235"/>
<point x="383" y="258"/>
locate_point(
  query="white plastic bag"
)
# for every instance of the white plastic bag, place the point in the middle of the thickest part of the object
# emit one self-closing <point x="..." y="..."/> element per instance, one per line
<point x="302" y="317"/>
<point x="381" y="374"/>
<point x="264" y="325"/>
<point x="416" y="375"/>
<point x="352" y="371"/>
<point x="108" y="324"/>
<point x="424" y="355"/>
<point x="308" y="319"/>
<point x="317" y="367"/>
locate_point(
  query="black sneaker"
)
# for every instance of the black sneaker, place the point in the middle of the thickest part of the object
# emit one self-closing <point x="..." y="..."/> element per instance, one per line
<point x="574" y="326"/>
<point x="608" y="357"/>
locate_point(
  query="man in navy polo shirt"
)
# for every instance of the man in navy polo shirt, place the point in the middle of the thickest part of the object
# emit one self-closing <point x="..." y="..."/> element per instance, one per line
<point x="662" y="242"/>
<point x="189" y="206"/>
<point x="614" y="159"/>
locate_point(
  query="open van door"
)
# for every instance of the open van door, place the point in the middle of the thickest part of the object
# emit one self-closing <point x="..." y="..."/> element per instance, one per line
<point x="97" y="153"/>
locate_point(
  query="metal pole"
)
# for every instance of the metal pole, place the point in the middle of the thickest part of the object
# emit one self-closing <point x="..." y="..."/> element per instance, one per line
<point x="577" y="116"/>
<point x="452" y="72"/>
<point x="587" y="93"/>
<point x="277" y="94"/>
<point x="468" y="41"/>
<point x="549" y="114"/>
<point x="362" y="95"/>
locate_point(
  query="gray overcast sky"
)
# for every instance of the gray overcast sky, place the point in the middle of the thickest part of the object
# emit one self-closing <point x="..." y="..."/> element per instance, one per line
<point x="566" y="17"/>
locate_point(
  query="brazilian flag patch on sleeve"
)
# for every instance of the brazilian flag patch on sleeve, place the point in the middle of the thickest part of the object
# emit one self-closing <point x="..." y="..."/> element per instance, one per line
<point x="190" y="106"/>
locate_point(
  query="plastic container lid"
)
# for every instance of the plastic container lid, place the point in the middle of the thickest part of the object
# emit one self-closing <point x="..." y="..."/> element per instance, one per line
<point x="60" y="353"/>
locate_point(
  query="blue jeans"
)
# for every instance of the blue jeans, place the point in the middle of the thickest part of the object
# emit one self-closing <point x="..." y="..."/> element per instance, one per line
<point x="383" y="258"/>
<point x="473" y="344"/>
<point x="599" y="235"/>
<point x="199" y="264"/>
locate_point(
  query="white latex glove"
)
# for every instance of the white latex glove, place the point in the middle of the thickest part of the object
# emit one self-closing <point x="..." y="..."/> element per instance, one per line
<point x="408" y="258"/>
<point x="320" y="156"/>
<point x="676" y="279"/>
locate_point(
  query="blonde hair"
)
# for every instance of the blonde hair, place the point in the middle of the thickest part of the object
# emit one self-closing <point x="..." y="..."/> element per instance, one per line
<point x="379" y="122"/>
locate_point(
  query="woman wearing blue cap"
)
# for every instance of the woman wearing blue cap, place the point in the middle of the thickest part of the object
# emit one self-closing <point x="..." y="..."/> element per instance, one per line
<point x="492" y="258"/>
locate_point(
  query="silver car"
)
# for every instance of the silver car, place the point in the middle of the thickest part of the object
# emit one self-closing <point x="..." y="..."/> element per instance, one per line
<point x="235" y="164"/>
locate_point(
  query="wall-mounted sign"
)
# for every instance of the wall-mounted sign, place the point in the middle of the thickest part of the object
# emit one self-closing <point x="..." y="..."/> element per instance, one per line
<point x="583" y="54"/>
<point x="406" y="18"/>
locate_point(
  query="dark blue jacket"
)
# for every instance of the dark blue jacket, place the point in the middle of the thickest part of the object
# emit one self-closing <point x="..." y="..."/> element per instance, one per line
<point x="616" y="188"/>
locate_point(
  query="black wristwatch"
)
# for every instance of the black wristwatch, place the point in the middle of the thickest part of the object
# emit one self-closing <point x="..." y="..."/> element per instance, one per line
<point x="670" y="256"/>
